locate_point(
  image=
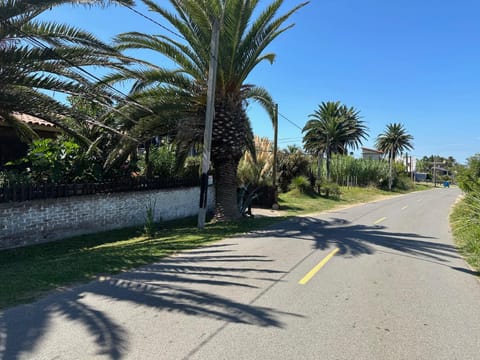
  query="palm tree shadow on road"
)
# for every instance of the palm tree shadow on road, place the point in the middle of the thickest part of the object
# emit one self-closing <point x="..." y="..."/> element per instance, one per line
<point x="356" y="239"/>
<point x="170" y="286"/>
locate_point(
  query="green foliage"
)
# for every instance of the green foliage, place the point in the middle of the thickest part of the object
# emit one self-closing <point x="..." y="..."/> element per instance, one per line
<point x="332" y="129"/>
<point x="30" y="74"/>
<point x="466" y="215"/>
<point x="59" y="161"/>
<point x="191" y="167"/>
<point x="245" y="197"/>
<point x="468" y="178"/>
<point x="292" y="163"/>
<point x="330" y="190"/>
<point x="394" y="140"/>
<point x="162" y="161"/>
<point x="403" y="182"/>
<point x="301" y="183"/>
<point x="150" y="228"/>
<point x="465" y="220"/>
<point x="12" y="177"/>
<point x="346" y="170"/>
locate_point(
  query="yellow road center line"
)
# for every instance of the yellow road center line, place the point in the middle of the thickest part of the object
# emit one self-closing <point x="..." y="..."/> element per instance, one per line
<point x="405" y="207"/>
<point x="380" y="220"/>
<point x="317" y="268"/>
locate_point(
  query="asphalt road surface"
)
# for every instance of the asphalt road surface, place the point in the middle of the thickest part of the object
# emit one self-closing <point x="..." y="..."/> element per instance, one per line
<point x="378" y="281"/>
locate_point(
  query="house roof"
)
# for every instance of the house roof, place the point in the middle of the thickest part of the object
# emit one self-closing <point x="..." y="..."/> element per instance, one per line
<point x="364" y="149"/>
<point x="33" y="121"/>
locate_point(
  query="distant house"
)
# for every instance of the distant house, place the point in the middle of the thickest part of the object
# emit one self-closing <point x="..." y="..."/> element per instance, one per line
<point x="11" y="147"/>
<point x="371" y="154"/>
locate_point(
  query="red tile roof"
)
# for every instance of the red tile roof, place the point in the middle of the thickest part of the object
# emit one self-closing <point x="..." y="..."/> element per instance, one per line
<point x="31" y="120"/>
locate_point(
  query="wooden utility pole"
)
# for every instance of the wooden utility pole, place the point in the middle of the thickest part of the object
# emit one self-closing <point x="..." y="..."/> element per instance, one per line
<point x="210" y="112"/>
<point x="275" y="151"/>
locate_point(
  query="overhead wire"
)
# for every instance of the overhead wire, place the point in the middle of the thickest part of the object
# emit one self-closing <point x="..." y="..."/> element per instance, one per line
<point x="152" y="20"/>
<point x="290" y="121"/>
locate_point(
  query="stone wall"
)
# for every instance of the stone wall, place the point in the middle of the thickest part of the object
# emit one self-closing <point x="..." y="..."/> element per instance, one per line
<point x="31" y="222"/>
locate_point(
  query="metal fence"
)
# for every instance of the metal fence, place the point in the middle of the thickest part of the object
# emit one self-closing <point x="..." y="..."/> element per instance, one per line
<point x="25" y="192"/>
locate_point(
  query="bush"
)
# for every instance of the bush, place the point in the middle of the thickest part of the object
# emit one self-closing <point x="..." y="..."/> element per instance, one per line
<point x="292" y="163"/>
<point x="162" y="161"/>
<point x="191" y="168"/>
<point x="465" y="221"/>
<point x="59" y="161"/>
<point x="329" y="190"/>
<point x="301" y="183"/>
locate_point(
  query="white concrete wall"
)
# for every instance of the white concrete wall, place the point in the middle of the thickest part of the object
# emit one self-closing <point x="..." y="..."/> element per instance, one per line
<point x="38" y="221"/>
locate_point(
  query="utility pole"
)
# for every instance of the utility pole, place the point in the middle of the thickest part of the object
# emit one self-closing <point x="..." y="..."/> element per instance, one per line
<point x="275" y="150"/>
<point x="412" y="174"/>
<point x="210" y="112"/>
<point x="434" y="172"/>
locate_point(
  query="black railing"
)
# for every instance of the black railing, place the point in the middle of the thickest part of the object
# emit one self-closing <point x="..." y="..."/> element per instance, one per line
<point x="25" y="192"/>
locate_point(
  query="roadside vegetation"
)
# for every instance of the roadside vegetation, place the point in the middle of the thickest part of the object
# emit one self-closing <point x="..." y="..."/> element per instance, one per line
<point x="465" y="218"/>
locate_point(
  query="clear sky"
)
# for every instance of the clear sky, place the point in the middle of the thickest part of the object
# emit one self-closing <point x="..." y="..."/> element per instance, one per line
<point x="413" y="62"/>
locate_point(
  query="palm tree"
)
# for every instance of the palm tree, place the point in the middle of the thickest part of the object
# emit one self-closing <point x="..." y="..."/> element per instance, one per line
<point x="38" y="58"/>
<point x="333" y="128"/>
<point x="180" y="94"/>
<point x="393" y="141"/>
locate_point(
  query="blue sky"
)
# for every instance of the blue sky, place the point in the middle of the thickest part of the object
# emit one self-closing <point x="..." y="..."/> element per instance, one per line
<point x="413" y="62"/>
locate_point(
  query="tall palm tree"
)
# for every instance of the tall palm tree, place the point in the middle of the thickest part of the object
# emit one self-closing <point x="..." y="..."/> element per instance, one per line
<point x="245" y="33"/>
<point x="38" y="58"/>
<point x="393" y="141"/>
<point x="333" y="128"/>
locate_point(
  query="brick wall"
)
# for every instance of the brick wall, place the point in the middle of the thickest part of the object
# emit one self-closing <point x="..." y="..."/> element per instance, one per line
<point x="38" y="221"/>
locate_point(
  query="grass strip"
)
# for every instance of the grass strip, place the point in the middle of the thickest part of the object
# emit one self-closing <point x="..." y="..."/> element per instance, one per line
<point x="465" y="222"/>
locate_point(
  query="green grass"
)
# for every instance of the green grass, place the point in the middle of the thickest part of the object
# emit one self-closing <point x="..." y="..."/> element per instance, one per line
<point x="465" y="221"/>
<point x="27" y="273"/>
<point x="295" y="202"/>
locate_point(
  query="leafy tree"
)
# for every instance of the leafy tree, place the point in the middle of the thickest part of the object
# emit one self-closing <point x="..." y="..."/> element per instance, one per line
<point x="332" y="129"/>
<point x="38" y="58"/>
<point x="292" y="162"/>
<point x="178" y="96"/>
<point x="393" y="141"/>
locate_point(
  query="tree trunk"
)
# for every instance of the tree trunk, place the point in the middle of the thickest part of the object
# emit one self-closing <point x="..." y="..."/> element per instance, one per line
<point x="226" y="204"/>
<point x="329" y="157"/>
<point x="390" y="175"/>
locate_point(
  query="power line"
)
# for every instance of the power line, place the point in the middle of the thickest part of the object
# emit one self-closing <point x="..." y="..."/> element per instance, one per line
<point x="153" y="20"/>
<point x="290" y="121"/>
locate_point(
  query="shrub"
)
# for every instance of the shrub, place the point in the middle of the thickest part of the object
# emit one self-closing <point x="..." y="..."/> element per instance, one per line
<point x="301" y="183"/>
<point x="149" y="229"/>
<point x="292" y="163"/>
<point x="59" y="161"/>
<point x="162" y="161"/>
<point x="191" y="167"/>
<point x="330" y="190"/>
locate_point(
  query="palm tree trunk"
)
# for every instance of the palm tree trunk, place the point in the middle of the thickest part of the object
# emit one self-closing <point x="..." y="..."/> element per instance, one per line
<point x="226" y="203"/>
<point x="329" y="157"/>
<point x="390" y="173"/>
<point x="319" y="166"/>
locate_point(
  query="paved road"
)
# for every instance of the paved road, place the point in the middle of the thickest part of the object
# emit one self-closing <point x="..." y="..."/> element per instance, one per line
<point x="395" y="289"/>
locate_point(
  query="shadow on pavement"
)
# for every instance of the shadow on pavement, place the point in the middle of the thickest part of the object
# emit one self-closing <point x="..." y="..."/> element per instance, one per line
<point x="171" y="286"/>
<point x="355" y="240"/>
